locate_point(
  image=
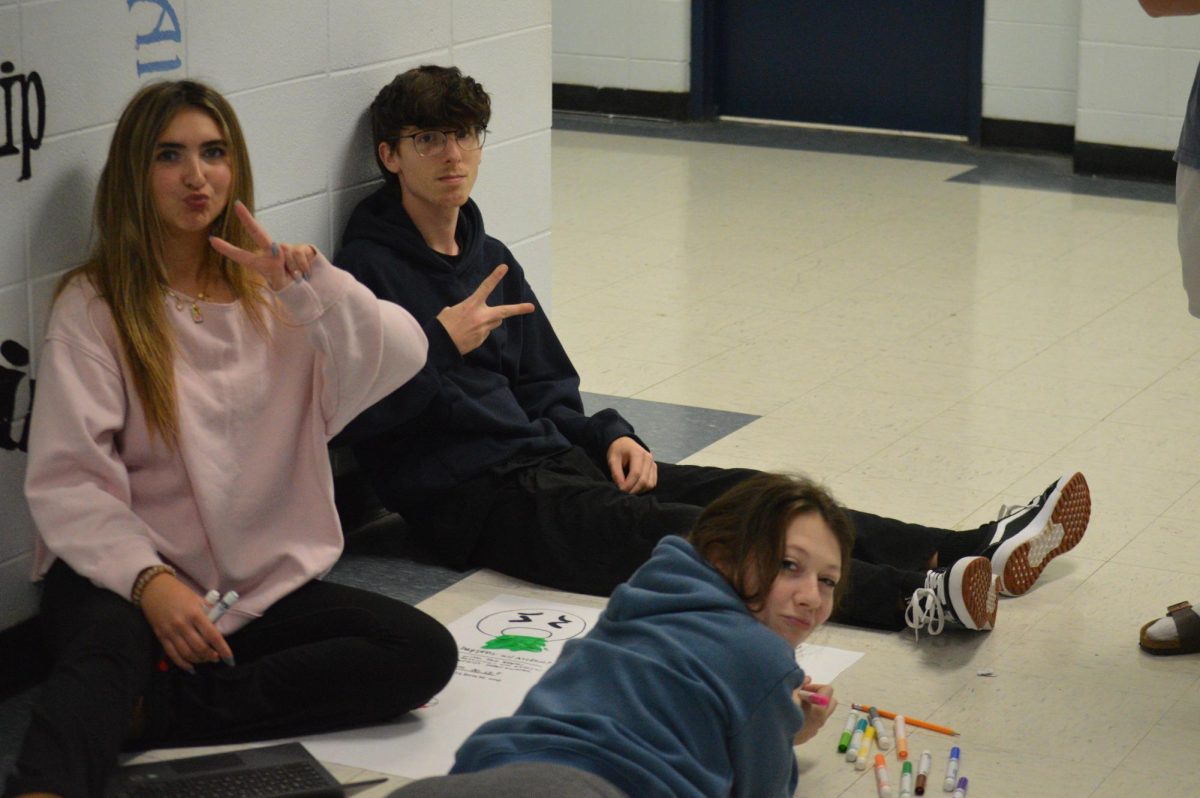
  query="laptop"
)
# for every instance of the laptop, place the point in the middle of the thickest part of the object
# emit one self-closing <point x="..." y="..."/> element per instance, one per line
<point x="276" y="771"/>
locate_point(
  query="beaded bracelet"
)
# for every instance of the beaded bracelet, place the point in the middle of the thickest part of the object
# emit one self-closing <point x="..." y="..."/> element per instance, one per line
<point x="143" y="579"/>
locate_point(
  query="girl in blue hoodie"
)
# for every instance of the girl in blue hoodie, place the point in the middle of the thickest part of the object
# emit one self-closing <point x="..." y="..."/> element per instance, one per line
<point x="688" y="686"/>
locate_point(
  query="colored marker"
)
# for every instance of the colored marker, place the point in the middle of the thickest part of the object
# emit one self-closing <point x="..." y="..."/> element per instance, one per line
<point x="816" y="699"/>
<point x="881" y="778"/>
<point x="901" y="737"/>
<point x="906" y="780"/>
<point x="923" y="771"/>
<point x="222" y="606"/>
<point x="211" y="597"/>
<point x="864" y="750"/>
<point x="911" y="721"/>
<point x="856" y="740"/>
<point x="219" y="609"/>
<point x="961" y="790"/>
<point x="848" y="732"/>
<point x="881" y="736"/>
<point x="951" y="770"/>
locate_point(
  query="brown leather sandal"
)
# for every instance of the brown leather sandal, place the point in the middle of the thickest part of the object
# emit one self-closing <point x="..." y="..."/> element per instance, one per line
<point x="1187" y="628"/>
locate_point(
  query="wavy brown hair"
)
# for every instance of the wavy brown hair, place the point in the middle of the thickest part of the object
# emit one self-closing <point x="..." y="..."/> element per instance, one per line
<point x="126" y="264"/>
<point x="743" y="533"/>
<point x="427" y="96"/>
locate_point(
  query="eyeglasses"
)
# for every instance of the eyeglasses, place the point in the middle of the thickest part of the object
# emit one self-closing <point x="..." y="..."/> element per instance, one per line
<point x="433" y="142"/>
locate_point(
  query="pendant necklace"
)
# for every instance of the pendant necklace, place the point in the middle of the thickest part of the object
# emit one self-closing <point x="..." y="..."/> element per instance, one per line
<point x="180" y="302"/>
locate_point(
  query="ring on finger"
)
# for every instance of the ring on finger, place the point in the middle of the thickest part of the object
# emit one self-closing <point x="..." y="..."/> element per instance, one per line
<point x="274" y="249"/>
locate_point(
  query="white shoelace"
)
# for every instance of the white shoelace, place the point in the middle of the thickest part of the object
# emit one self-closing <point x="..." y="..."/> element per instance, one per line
<point x="924" y="609"/>
<point x="1012" y="509"/>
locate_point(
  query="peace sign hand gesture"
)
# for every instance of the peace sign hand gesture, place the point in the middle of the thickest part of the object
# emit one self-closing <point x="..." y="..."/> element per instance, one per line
<point x="277" y="263"/>
<point x="471" y="321"/>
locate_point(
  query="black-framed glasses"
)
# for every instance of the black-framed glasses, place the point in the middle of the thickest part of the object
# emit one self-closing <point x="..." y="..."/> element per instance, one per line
<point x="433" y="142"/>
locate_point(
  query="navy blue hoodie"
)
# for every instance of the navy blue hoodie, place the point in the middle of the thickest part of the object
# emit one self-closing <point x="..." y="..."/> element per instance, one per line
<point x="678" y="692"/>
<point x="517" y="395"/>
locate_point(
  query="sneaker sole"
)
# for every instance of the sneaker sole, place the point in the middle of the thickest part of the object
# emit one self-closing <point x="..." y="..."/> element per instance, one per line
<point x="1059" y="526"/>
<point x="973" y="593"/>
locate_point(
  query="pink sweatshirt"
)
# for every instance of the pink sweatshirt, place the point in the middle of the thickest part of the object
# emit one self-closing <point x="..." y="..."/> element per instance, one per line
<point x="245" y="502"/>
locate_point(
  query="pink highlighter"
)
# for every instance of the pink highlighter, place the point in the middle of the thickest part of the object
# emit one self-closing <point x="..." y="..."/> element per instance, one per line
<point x="816" y="699"/>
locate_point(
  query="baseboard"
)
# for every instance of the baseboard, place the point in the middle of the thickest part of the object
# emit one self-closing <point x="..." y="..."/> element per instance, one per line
<point x="621" y="102"/>
<point x="24" y="662"/>
<point x="1110" y="160"/>
<point x="1018" y="135"/>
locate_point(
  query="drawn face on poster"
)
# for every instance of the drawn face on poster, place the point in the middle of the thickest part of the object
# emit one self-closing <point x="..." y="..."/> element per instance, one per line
<point x="529" y="630"/>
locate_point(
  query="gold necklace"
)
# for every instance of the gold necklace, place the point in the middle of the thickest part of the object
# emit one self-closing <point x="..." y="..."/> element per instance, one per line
<point x="180" y="302"/>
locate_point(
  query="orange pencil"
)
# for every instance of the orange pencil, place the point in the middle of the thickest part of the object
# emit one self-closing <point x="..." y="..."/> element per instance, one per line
<point x="910" y="721"/>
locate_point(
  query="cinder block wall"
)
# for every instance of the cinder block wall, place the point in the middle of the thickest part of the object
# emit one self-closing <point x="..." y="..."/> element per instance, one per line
<point x="300" y="74"/>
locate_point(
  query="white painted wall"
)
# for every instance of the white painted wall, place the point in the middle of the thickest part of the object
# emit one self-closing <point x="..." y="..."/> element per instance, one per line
<point x="1030" y="60"/>
<point x="1135" y="73"/>
<point x="300" y="74"/>
<point x="623" y="44"/>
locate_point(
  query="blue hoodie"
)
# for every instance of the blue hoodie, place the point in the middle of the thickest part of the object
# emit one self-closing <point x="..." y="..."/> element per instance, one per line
<point x="677" y="692"/>
<point x="516" y="396"/>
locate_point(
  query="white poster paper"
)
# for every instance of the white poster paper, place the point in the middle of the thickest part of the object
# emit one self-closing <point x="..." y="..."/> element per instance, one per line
<point x="504" y="647"/>
<point x="824" y="663"/>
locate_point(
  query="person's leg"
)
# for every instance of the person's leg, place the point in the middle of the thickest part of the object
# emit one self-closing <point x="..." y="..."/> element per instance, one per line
<point x="696" y="485"/>
<point x="562" y="522"/>
<point x="896" y="562"/>
<point x="1187" y="207"/>
<point x="325" y="657"/>
<point x="876" y="595"/>
<point x="104" y="651"/>
<point x="519" y="780"/>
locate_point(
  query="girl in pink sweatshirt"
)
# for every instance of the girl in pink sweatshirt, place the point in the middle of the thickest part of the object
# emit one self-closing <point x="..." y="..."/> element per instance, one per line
<point x="192" y="374"/>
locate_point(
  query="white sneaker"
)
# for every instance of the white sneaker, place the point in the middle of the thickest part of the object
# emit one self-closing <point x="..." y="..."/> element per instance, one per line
<point x="964" y="595"/>
<point x="1029" y="536"/>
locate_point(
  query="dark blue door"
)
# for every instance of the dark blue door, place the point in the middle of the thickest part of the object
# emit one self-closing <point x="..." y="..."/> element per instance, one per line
<point x="899" y="64"/>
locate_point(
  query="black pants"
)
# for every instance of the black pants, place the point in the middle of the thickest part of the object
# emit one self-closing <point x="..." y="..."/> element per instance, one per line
<point x="324" y="657"/>
<point x="560" y="521"/>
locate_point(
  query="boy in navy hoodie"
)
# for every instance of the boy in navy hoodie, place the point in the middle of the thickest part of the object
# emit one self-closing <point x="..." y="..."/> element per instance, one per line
<point x="488" y="453"/>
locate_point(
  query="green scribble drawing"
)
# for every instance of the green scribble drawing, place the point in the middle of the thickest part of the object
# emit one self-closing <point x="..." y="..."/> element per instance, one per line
<point x="516" y="643"/>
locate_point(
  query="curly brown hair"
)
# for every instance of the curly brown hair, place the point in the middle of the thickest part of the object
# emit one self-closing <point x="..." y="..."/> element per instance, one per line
<point x="424" y="97"/>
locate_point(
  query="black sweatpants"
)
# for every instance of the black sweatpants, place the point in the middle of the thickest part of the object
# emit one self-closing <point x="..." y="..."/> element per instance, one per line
<point x="560" y="521"/>
<point x="324" y="657"/>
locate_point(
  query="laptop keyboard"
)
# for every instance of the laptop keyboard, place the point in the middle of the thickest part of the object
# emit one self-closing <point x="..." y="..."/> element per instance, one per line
<point x="298" y="779"/>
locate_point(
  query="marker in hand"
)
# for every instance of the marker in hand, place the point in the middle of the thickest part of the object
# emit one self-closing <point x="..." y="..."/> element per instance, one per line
<point x="816" y="699"/>
<point x="220" y="608"/>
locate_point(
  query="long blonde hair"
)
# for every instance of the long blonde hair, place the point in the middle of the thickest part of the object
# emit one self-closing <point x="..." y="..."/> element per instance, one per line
<point x="126" y="264"/>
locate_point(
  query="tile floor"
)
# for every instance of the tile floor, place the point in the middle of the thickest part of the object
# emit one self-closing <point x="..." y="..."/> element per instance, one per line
<point x="932" y="331"/>
<point x="930" y="344"/>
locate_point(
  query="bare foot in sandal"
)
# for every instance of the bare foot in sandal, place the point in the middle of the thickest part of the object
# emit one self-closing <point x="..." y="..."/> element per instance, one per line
<point x="1176" y="633"/>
